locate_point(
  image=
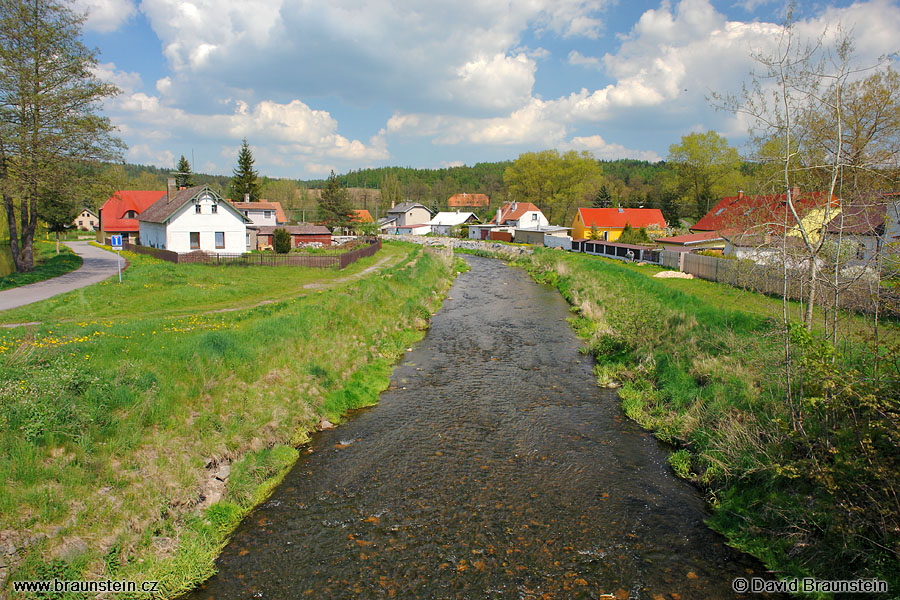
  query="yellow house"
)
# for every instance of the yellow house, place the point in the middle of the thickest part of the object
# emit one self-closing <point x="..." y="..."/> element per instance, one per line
<point x="607" y="223"/>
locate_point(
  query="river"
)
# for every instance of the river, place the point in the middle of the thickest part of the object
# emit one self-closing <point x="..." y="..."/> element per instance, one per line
<point x="493" y="467"/>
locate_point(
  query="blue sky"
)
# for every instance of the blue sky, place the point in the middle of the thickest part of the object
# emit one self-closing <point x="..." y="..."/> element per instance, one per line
<point x="348" y="84"/>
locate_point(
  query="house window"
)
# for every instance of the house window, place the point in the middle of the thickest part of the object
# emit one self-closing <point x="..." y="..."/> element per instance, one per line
<point x="214" y="208"/>
<point x="195" y="240"/>
<point x="197" y="208"/>
<point x="220" y="239"/>
<point x="534" y="217"/>
<point x="81" y="223"/>
<point x="130" y="214"/>
<point x="267" y="214"/>
<point x="860" y="251"/>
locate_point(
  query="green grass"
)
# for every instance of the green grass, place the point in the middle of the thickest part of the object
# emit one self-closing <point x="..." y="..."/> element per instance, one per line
<point x="107" y="421"/>
<point x="47" y="265"/>
<point x="807" y="481"/>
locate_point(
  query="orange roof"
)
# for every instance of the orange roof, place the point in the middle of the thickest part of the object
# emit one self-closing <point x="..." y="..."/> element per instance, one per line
<point x="743" y="212"/>
<point x="466" y="200"/>
<point x="112" y="213"/>
<point x="362" y="216"/>
<point x="513" y="211"/>
<point x="619" y="217"/>
<point x="263" y="205"/>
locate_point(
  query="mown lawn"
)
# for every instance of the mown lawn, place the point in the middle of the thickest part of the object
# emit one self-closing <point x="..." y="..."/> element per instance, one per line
<point x="48" y="264"/>
<point x="798" y="458"/>
<point x="118" y="410"/>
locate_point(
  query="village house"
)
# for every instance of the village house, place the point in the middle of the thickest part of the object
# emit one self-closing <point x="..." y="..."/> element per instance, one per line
<point x="194" y="219"/>
<point x="406" y="218"/>
<point x="509" y="217"/>
<point x="551" y="236"/>
<point x="607" y="224"/>
<point x="867" y="227"/>
<point x="119" y="214"/>
<point x="465" y="200"/>
<point x="262" y="213"/>
<point x="87" y="220"/>
<point x="763" y="215"/>
<point x="443" y="222"/>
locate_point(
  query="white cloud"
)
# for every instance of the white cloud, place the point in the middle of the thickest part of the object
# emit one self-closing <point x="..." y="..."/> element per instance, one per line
<point x="144" y="154"/>
<point x="289" y="132"/>
<point x="603" y="150"/>
<point x="577" y="58"/>
<point x="126" y="82"/>
<point x="105" y="15"/>
<point x="460" y="52"/>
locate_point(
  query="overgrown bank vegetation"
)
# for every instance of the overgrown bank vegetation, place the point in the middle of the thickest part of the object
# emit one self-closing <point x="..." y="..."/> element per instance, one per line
<point x="115" y="427"/>
<point x="799" y="462"/>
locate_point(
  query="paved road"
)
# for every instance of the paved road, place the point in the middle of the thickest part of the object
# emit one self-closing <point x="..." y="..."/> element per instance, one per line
<point x="98" y="265"/>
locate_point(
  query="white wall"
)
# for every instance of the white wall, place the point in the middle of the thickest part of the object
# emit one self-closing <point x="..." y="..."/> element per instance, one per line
<point x="153" y="234"/>
<point x="529" y="221"/>
<point x="226" y="220"/>
<point x="257" y="217"/>
<point x="558" y="241"/>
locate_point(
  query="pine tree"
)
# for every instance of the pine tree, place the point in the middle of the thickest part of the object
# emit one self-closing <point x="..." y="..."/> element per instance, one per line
<point x="184" y="177"/>
<point x="603" y="198"/>
<point x="244" y="177"/>
<point x="335" y="209"/>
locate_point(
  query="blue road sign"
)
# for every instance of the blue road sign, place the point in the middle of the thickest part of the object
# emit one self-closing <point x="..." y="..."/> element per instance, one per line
<point x="116" y="242"/>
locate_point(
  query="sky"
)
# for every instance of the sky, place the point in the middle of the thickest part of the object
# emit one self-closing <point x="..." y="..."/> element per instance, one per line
<point x="340" y="85"/>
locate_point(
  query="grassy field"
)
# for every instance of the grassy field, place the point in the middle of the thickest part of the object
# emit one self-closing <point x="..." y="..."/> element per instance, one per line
<point x="120" y="410"/>
<point x="48" y="264"/>
<point x="807" y="480"/>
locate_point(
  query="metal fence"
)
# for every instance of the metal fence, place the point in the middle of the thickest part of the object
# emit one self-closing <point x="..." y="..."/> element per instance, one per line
<point x="852" y="294"/>
<point x="319" y="260"/>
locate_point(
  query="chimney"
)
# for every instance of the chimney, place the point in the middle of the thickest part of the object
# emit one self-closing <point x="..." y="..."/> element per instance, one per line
<point x="740" y="194"/>
<point x="247" y="197"/>
<point x="498" y="216"/>
<point x="392" y="204"/>
<point x="795" y="191"/>
<point x="514" y="204"/>
<point x="621" y="210"/>
<point x="170" y="185"/>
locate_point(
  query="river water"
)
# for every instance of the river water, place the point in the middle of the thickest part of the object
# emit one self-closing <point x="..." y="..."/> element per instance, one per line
<point x="493" y="467"/>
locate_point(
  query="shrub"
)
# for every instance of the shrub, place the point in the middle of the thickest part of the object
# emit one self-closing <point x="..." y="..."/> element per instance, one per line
<point x="282" y="241"/>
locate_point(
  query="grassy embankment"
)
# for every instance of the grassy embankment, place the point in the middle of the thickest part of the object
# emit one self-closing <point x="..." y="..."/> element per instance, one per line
<point x="47" y="265"/>
<point x="119" y="410"/>
<point x="808" y="484"/>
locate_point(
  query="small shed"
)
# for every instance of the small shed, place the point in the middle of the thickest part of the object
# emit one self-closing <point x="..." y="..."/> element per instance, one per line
<point x="300" y="235"/>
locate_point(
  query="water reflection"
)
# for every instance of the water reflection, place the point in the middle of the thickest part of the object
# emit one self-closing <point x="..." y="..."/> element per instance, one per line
<point x="493" y="467"/>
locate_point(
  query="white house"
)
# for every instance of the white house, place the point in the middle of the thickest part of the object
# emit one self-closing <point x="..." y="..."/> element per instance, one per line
<point x="519" y="215"/>
<point x="194" y="219"/>
<point x="443" y="222"/>
<point x="262" y="213"/>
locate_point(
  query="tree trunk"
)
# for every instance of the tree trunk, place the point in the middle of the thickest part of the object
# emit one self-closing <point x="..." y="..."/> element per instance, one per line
<point x="13" y="232"/>
<point x="57" y="242"/>
<point x="811" y="302"/>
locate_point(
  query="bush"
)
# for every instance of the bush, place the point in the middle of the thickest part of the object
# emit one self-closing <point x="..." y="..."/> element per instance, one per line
<point x="282" y="241"/>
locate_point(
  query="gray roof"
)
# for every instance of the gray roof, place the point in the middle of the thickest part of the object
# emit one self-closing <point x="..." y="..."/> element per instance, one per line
<point x="296" y="229"/>
<point x="405" y="206"/>
<point x="163" y="209"/>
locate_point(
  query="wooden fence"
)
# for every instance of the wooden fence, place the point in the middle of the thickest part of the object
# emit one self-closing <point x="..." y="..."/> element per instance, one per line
<point x="859" y="295"/>
<point x="319" y="260"/>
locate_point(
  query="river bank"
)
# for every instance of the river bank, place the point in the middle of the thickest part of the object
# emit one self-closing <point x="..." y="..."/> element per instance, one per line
<point x="133" y="442"/>
<point x="492" y="467"/>
<point x="810" y="491"/>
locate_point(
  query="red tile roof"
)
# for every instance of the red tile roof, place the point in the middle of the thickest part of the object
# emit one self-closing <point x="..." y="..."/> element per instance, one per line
<point x="619" y="217"/>
<point x="263" y="205"/>
<point x="362" y="216"/>
<point x="863" y="216"/>
<point x="743" y="213"/>
<point x="113" y="211"/>
<point x="468" y="200"/>
<point x="513" y="211"/>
